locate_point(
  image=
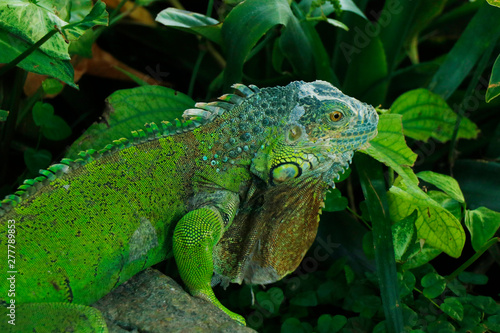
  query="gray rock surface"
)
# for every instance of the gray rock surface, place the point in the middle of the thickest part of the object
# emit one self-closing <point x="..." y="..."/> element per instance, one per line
<point x="153" y="302"/>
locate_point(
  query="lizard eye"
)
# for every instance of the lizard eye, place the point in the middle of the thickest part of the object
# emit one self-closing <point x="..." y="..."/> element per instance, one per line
<point x="336" y="116"/>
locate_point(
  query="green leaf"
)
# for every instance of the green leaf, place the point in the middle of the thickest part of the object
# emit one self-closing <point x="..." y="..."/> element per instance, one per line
<point x="53" y="127"/>
<point x="83" y="46"/>
<point x="349" y="274"/>
<point x="406" y="283"/>
<point x="473" y="278"/>
<point x="322" y="66"/>
<point x="334" y="201"/>
<point x="331" y="324"/>
<point x="493" y="322"/>
<point x="479" y="182"/>
<point x="485" y="304"/>
<point x="389" y="147"/>
<point x="443" y="182"/>
<point x="433" y="284"/>
<point x="453" y="308"/>
<point x="3" y="115"/>
<point x="395" y="20"/>
<point x="350" y="6"/>
<point x="482" y="224"/>
<point x="337" y="23"/>
<point x="37" y="159"/>
<point x="495" y="3"/>
<point x="327" y="8"/>
<point x="37" y="62"/>
<point x="426" y="12"/>
<point x="305" y="298"/>
<point x="435" y="224"/>
<point x="473" y="42"/>
<point x="52" y="86"/>
<point x="192" y="22"/>
<point x="31" y="20"/>
<point x="144" y="2"/>
<point x="244" y="27"/>
<point x="494" y="85"/>
<point x="295" y="34"/>
<point x="271" y="299"/>
<point x="130" y="109"/>
<point x="97" y="16"/>
<point x="367" y="305"/>
<point x="293" y="325"/>
<point x="368" y="247"/>
<point x="427" y="115"/>
<point x="403" y="234"/>
<point x="374" y="190"/>
<point x="418" y="255"/>
<point x="365" y="74"/>
<point x="445" y="201"/>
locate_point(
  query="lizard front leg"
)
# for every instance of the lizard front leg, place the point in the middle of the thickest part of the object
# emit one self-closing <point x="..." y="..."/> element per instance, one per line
<point x="195" y="236"/>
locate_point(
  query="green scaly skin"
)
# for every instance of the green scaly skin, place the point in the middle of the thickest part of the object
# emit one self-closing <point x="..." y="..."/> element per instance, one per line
<point x="234" y="189"/>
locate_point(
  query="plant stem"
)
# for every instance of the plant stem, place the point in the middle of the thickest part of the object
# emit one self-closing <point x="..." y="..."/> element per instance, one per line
<point x="472" y="259"/>
<point x="26" y="53"/>
<point x="196" y="67"/>
<point x="429" y="299"/>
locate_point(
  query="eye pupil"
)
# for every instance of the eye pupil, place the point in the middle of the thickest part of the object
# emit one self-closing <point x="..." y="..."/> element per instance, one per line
<point x="335" y="116"/>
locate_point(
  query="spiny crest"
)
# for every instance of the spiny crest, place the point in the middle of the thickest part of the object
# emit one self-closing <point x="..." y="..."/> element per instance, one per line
<point x="193" y="118"/>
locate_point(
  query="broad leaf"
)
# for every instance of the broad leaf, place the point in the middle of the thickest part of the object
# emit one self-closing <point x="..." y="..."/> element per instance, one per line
<point x="51" y="86"/>
<point x="389" y="147"/>
<point x="244" y="27"/>
<point x="331" y="324"/>
<point x="53" y="127"/>
<point x="97" y="16"/>
<point x="452" y="307"/>
<point x="418" y="254"/>
<point x="38" y="62"/>
<point x="403" y="234"/>
<point x="295" y="34"/>
<point x="436" y="225"/>
<point x="196" y="23"/>
<point x="482" y="224"/>
<point x="334" y="201"/>
<point x="406" y="283"/>
<point x="494" y="2"/>
<point x="433" y="284"/>
<point x="477" y="37"/>
<point x="443" y="182"/>
<point x="31" y="20"/>
<point x="426" y="115"/>
<point x="366" y="73"/>
<point x="3" y="115"/>
<point x="130" y="109"/>
<point x="494" y="85"/>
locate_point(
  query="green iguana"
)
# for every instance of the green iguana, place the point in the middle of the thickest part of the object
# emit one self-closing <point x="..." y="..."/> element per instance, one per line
<point x="233" y="192"/>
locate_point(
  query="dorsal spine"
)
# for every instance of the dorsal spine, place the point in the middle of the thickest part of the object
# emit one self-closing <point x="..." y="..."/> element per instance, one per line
<point x="203" y="113"/>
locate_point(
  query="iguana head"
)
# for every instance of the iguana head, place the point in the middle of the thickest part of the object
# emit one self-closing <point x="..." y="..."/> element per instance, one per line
<point x="321" y="133"/>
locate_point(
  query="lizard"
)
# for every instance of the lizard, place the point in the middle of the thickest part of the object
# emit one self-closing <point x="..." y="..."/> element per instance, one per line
<point x="233" y="191"/>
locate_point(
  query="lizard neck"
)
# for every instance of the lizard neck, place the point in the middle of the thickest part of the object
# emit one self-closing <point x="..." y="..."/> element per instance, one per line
<point x="236" y="136"/>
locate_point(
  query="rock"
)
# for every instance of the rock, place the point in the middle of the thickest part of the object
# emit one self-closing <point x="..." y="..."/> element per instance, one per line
<point x="153" y="302"/>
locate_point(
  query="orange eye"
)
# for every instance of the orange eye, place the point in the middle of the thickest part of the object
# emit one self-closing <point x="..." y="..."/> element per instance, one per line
<point x="336" y="116"/>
